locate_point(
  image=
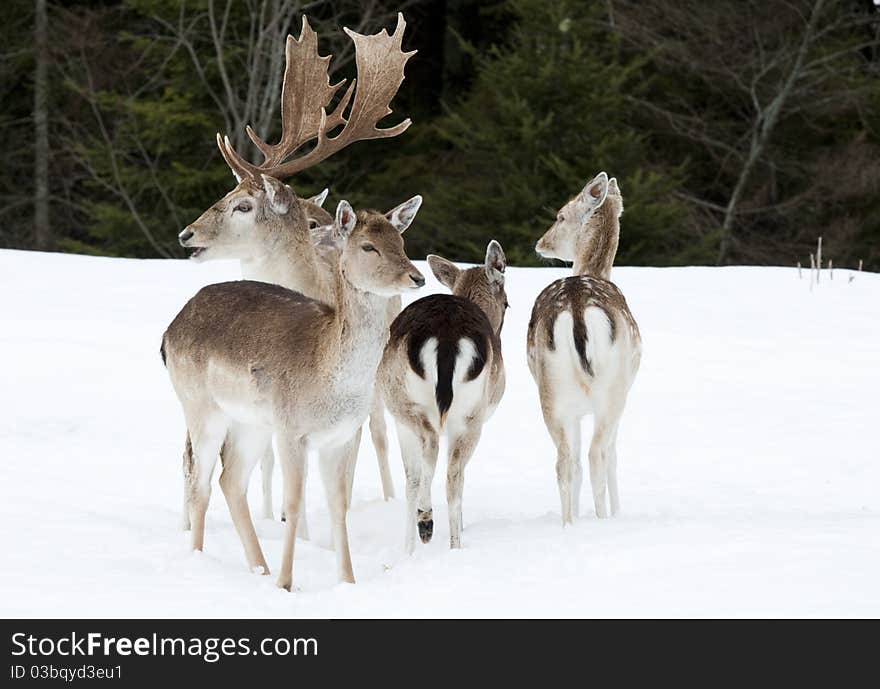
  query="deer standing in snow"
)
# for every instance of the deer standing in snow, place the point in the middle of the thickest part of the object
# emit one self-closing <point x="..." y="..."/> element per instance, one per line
<point x="248" y="359"/>
<point x="442" y="373"/>
<point x="286" y="254"/>
<point x="584" y="345"/>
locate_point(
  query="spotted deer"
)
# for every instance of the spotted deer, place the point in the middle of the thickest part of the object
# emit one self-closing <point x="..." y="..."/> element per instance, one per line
<point x="279" y="249"/>
<point x="237" y="380"/>
<point x="584" y="345"/>
<point x="442" y="374"/>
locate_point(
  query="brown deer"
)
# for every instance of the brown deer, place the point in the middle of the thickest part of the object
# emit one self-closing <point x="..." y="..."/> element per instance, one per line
<point x="584" y="345"/>
<point x="442" y="373"/>
<point x="274" y="360"/>
<point x="267" y="253"/>
<point x="279" y="251"/>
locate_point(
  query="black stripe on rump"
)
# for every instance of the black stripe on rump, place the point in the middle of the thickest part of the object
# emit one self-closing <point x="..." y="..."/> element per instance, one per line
<point x="449" y="319"/>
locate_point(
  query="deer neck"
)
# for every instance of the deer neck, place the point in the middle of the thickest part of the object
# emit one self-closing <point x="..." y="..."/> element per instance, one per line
<point x="290" y="260"/>
<point x="359" y="332"/>
<point x="596" y="252"/>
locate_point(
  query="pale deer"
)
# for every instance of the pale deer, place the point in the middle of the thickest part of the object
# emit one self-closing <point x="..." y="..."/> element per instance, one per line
<point x="442" y="374"/>
<point x="268" y="252"/>
<point x="282" y="251"/>
<point x="271" y="251"/>
<point x="584" y="346"/>
<point x="248" y="359"/>
<point x="346" y="323"/>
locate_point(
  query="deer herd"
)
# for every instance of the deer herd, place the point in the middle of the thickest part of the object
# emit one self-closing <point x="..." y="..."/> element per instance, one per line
<point x="313" y="340"/>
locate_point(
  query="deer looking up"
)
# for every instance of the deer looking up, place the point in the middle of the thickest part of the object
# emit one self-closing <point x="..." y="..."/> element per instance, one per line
<point x="279" y="248"/>
<point x="235" y="380"/>
<point x="442" y="373"/>
<point x="584" y="346"/>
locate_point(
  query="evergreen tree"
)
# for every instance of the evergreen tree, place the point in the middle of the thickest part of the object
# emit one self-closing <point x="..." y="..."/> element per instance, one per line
<point x="548" y="109"/>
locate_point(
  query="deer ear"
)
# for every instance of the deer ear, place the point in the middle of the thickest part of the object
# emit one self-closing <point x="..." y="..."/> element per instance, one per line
<point x="403" y="215"/>
<point x="614" y="188"/>
<point x="279" y="195"/>
<point x="593" y="195"/>
<point x="318" y="199"/>
<point x="445" y="271"/>
<point x="496" y="262"/>
<point x="345" y="220"/>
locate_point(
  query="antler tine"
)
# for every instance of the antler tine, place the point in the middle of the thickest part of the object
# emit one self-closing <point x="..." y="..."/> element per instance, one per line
<point x="305" y="89"/>
<point x="307" y="92"/>
<point x="240" y="168"/>
<point x="380" y="67"/>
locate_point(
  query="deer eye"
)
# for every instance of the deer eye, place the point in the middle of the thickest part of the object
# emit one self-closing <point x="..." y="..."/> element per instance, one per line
<point x="243" y="207"/>
<point x="312" y="223"/>
<point x="369" y="247"/>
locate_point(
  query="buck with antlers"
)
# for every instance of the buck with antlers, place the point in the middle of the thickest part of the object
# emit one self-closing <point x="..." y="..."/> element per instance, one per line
<point x="284" y="253"/>
<point x="268" y="252"/>
<point x="442" y="373"/>
<point x="584" y="345"/>
<point x="248" y="359"/>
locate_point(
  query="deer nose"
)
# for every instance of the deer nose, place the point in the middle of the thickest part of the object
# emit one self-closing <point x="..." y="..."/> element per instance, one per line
<point x="418" y="279"/>
<point x="185" y="236"/>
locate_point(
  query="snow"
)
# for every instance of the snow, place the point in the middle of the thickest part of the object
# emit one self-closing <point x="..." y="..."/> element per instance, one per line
<point x="748" y="461"/>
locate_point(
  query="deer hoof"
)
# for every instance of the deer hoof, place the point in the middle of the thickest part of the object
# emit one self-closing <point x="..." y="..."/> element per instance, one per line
<point x="426" y="525"/>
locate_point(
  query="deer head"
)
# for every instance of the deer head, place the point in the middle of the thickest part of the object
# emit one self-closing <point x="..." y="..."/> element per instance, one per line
<point x="483" y="285"/>
<point x="585" y="222"/>
<point x="372" y="258"/>
<point x="234" y="224"/>
<point x="252" y="218"/>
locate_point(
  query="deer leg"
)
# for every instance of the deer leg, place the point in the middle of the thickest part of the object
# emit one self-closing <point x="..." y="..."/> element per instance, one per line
<point x="240" y="453"/>
<point x="187" y="472"/>
<point x="573" y="429"/>
<point x="598" y="473"/>
<point x="350" y="464"/>
<point x="302" y="526"/>
<point x="267" y="464"/>
<point x="461" y="447"/>
<point x="611" y="471"/>
<point x="207" y="438"/>
<point x="429" y="445"/>
<point x="292" y="455"/>
<point x="411" y="451"/>
<point x="302" y="529"/>
<point x="379" y="434"/>
<point x="565" y="461"/>
<point x="612" y="417"/>
<point x="334" y="463"/>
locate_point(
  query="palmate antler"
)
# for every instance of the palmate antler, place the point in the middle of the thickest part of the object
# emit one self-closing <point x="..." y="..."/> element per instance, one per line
<point x="306" y="93"/>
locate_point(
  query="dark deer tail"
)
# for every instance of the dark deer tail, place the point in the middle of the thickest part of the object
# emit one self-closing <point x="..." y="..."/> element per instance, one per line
<point x="447" y="353"/>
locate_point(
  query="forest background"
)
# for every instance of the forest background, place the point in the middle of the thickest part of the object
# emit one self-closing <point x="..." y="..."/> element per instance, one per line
<point x="739" y="132"/>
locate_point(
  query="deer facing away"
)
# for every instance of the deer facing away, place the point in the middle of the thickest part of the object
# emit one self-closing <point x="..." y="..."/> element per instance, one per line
<point x="248" y="359"/>
<point x="281" y="249"/>
<point x="442" y="373"/>
<point x="583" y="345"/>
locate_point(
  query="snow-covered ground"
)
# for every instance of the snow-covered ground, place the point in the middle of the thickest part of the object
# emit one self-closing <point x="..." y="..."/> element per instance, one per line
<point x="749" y="464"/>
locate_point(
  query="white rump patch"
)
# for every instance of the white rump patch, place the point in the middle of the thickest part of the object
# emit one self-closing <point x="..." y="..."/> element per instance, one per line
<point x="466" y="396"/>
